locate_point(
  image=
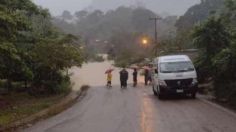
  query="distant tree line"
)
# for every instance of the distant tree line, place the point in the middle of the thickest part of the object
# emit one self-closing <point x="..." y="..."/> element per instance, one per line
<point x="117" y="32"/>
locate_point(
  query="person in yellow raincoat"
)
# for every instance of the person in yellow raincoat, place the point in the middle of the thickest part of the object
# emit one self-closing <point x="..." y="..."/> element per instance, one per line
<point x="109" y="79"/>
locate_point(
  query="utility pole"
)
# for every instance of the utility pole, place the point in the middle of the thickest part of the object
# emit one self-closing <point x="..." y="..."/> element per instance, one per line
<point x="155" y="19"/>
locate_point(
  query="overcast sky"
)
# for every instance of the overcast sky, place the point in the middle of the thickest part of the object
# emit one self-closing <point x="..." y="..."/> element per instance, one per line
<point x="174" y="7"/>
<point x="56" y="7"/>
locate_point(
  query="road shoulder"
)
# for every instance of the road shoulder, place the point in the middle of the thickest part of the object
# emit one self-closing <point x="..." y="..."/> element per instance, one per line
<point x="208" y="100"/>
<point x="57" y="108"/>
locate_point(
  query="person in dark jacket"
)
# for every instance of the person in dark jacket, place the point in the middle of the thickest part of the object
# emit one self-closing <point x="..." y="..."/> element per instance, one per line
<point x="124" y="75"/>
<point x="135" y="75"/>
<point x="146" y="76"/>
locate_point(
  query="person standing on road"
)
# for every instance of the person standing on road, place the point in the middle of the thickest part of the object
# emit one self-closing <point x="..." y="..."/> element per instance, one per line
<point x="146" y="76"/>
<point x="109" y="79"/>
<point x="135" y="75"/>
<point x="150" y="76"/>
<point x="124" y="75"/>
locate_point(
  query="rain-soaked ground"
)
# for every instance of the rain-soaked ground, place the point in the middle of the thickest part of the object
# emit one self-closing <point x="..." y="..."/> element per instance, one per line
<point x="132" y="109"/>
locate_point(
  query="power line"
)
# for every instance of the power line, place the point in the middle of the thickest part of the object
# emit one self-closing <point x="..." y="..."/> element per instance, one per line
<point x="155" y="19"/>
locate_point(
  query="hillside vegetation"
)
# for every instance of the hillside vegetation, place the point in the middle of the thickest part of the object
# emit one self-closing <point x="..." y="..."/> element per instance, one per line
<point x="32" y="51"/>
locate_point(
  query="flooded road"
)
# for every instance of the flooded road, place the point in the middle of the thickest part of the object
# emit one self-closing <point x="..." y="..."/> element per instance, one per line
<point x="93" y="74"/>
<point x="134" y="110"/>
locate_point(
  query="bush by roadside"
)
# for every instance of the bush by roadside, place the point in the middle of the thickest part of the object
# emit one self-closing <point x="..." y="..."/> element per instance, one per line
<point x="25" y="113"/>
<point x="216" y="63"/>
<point x="21" y="105"/>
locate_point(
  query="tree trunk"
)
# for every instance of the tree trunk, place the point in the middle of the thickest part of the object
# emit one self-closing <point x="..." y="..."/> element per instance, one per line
<point x="25" y="84"/>
<point x="67" y="72"/>
<point x="9" y="85"/>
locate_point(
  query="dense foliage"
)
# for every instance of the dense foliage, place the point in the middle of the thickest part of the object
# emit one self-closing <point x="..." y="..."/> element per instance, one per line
<point x="216" y="41"/>
<point x="31" y="48"/>
<point x="194" y="16"/>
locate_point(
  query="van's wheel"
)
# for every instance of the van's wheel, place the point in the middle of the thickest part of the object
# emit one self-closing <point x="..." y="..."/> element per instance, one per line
<point x="154" y="91"/>
<point x="160" y="96"/>
<point x="193" y="95"/>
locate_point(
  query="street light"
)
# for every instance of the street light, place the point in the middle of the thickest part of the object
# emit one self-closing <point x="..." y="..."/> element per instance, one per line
<point x="144" y="41"/>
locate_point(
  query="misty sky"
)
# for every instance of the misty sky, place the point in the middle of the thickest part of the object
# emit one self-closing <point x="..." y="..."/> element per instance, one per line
<point x="56" y="7"/>
<point x="174" y="7"/>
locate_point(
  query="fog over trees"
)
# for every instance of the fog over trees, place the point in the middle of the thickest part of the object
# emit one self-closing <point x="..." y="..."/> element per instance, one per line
<point x="123" y="27"/>
<point x="163" y="7"/>
<point x="158" y="6"/>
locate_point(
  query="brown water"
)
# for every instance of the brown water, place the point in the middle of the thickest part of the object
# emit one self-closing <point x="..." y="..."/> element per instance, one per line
<point x="93" y="74"/>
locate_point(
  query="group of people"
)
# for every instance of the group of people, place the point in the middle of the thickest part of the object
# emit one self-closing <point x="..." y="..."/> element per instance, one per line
<point x="124" y="76"/>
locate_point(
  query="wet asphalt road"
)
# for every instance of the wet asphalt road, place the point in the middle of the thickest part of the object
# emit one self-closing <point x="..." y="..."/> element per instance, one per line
<point x="136" y="110"/>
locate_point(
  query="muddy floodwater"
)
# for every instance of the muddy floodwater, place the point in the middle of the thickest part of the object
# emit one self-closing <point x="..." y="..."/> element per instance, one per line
<point x="93" y="74"/>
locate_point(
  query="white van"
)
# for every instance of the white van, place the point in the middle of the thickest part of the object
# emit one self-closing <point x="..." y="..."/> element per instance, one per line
<point x="174" y="75"/>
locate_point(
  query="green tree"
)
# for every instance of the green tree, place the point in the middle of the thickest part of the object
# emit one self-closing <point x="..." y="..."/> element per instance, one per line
<point x="210" y="38"/>
<point x="195" y="16"/>
<point x="217" y="60"/>
<point x="66" y="15"/>
<point x="32" y="49"/>
<point x="225" y="60"/>
<point x="12" y="67"/>
<point x="81" y="14"/>
<point x="50" y="59"/>
<point x="13" y="21"/>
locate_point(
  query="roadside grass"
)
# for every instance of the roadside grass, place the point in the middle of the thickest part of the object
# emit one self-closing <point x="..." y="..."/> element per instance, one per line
<point x="22" y="105"/>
